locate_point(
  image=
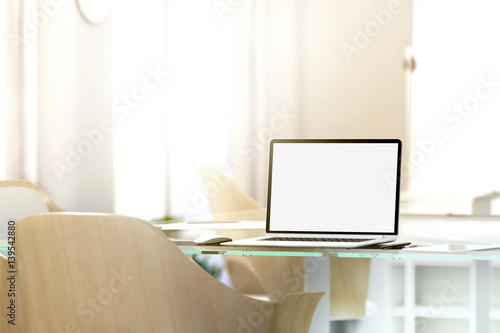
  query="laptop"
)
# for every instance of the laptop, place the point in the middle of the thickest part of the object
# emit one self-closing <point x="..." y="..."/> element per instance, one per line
<point x="337" y="193"/>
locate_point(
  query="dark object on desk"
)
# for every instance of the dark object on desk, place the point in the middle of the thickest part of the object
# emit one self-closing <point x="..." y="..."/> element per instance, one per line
<point x="394" y="246"/>
<point x="180" y="242"/>
<point x="211" y="240"/>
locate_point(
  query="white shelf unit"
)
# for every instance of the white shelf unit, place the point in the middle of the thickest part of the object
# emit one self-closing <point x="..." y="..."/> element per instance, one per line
<point x="441" y="295"/>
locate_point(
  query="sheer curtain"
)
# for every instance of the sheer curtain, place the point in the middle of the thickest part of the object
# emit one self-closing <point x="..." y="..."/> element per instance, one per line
<point x="18" y="89"/>
<point x="212" y="108"/>
<point x="56" y="90"/>
<point x="140" y="83"/>
<point x="11" y="56"/>
<point x="216" y="91"/>
<point x="200" y="54"/>
<point x="58" y="96"/>
<point x="184" y="122"/>
<point x="233" y="86"/>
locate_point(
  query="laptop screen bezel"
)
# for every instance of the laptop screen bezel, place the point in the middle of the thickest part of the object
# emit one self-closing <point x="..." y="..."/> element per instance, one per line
<point x="340" y="141"/>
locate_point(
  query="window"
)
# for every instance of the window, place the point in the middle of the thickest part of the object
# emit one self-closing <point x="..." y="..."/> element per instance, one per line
<point x="456" y="98"/>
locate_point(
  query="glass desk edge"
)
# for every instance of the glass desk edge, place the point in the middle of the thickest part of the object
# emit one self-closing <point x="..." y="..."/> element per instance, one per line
<point x="492" y="254"/>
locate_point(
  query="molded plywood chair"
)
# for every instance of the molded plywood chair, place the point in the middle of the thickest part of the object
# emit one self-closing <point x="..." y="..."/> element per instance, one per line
<point x="25" y="195"/>
<point x="18" y="198"/>
<point x="349" y="278"/>
<point x="255" y="275"/>
<point x="109" y="273"/>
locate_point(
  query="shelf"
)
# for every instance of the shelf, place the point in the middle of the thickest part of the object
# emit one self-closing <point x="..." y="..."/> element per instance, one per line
<point x="440" y="312"/>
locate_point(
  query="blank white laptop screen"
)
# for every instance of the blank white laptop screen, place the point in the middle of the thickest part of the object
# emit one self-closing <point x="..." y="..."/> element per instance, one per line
<point x="334" y="187"/>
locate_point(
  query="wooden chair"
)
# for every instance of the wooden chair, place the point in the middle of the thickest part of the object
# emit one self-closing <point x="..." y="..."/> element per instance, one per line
<point x="249" y="275"/>
<point x="349" y="278"/>
<point x="18" y="198"/>
<point x="20" y="188"/>
<point x="109" y="273"/>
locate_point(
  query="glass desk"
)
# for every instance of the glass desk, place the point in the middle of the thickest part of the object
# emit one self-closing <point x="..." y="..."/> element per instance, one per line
<point x="189" y="247"/>
<point x="317" y="267"/>
<point x="418" y="229"/>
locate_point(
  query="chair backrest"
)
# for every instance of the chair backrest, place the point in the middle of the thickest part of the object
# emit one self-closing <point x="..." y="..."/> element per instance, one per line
<point x="19" y="198"/>
<point x="223" y="193"/>
<point x="108" y="273"/>
<point x="249" y="275"/>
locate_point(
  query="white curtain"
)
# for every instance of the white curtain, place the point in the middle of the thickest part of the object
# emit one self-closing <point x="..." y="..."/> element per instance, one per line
<point x="20" y="24"/>
<point x="141" y="80"/>
<point x="58" y="88"/>
<point x="233" y="87"/>
<point x="11" y="55"/>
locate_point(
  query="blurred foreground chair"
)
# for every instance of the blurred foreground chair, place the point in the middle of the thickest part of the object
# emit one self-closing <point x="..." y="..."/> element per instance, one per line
<point x="109" y="273"/>
<point x="18" y="198"/>
<point x="16" y="324"/>
<point x="349" y="278"/>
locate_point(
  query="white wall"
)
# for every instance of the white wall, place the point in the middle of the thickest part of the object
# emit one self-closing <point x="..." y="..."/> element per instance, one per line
<point x="355" y="94"/>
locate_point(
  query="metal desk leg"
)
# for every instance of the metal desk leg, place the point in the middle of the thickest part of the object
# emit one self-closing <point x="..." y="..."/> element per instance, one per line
<point x="480" y="290"/>
<point x="317" y="278"/>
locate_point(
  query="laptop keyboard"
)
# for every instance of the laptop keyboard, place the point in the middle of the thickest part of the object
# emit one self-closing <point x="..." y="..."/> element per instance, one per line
<point x="310" y="239"/>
